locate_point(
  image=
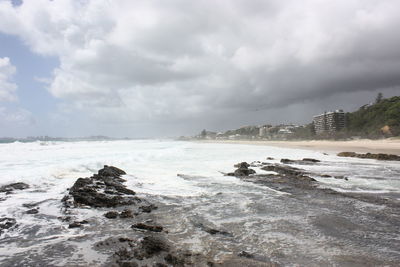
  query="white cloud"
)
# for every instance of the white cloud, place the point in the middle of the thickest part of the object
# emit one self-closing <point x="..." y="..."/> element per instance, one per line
<point x="148" y="60"/>
<point x="7" y="87"/>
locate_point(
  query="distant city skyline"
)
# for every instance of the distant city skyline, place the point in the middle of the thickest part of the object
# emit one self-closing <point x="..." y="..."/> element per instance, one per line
<point x="147" y="69"/>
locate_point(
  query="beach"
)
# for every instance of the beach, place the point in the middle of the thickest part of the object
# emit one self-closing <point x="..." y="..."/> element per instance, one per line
<point x="388" y="146"/>
<point x="174" y="203"/>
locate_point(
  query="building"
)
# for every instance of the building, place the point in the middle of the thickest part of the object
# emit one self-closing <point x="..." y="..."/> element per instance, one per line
<point x="329" y="122"/>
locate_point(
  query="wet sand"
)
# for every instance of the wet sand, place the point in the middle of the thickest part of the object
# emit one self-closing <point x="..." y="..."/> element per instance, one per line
<point x="388" y="146"/>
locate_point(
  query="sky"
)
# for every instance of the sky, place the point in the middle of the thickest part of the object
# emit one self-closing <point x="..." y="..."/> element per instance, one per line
<point x="155" y="68"/>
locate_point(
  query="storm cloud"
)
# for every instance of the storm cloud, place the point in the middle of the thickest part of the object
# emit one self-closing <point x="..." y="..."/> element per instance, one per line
<point x="200" y="64"/>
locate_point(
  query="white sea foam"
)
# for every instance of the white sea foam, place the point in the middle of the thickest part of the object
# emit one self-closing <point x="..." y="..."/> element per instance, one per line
<point x="153" y="166"/>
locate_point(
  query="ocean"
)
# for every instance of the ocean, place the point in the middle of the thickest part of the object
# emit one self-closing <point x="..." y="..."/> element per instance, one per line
<point x="187" y="181"/>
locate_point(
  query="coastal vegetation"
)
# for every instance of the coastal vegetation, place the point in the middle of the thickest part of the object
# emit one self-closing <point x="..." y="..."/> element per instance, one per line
<point x="380" y="119"/>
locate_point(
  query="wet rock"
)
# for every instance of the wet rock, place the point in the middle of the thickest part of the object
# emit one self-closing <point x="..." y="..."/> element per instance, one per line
<point x="111" y="214"/>
<point x="153" y="245"/>
<point x="269" y="158"/>
<point x="311" y="160"/>
<point x="148" y="208"/>
<point x="126" y="214"/>
<point x="143" y="226"/>
<point x="304" y="161"/>
<point x="32" y="211"/>
<point x="283" y="169"/>
<point x="245" y="254"/>
<point x="14" y="186"/>
<point x="74" y="225"/>
<point x="212" y="231"/>
<point x="104" y="189"/>
<point x="243" y="170"/>
<point x="325" y="176"/>
<point x="128" y="264"/>
<point x="242" y="165"/>
<point x="379" y="156"/>
<point x="7" y="223"/>
<point x="287" y="161"/>
<point x="111" y="171"/>
<point x="341" y="177"/>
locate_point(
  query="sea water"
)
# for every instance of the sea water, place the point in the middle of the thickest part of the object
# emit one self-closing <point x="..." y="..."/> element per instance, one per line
<point x="188" y="177"/>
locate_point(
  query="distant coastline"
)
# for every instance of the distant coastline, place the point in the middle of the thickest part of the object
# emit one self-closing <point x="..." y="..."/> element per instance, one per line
<point x="388" y="146"/>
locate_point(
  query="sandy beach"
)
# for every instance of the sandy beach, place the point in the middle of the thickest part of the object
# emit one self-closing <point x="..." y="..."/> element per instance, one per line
<point x="389" y="146"/>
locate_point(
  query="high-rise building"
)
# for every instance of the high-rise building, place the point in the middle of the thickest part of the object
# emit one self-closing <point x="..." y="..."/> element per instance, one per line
<point x="329" y="122"/>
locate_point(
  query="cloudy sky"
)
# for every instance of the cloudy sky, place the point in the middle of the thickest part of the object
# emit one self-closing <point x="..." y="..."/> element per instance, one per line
<point x="164" y="68"/>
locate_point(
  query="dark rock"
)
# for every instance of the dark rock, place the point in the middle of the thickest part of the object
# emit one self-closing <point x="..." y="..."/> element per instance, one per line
<point x="243" y="170"/>
<point x="126" y="214"/>
<point x="7" y="223"/>
<point x="110" y="193"/>
<point x="148" y="208"/>
<point x="143" y="226"/>
<point x="242" y="165"/>
<point x="14" y="186"/>
<point x="212" y="231"/>
<point x="174" y="260"/>
<point x="283" y="170"/>
<point x="303" y="161"/>
<point x="111" y="214"/>
<point x="245" y="254"/>
<point x="32" y="211"/>
<point x="379" y="156"/>
<point x="153" y="245"/>
<point x="74" y="225"/>
<point x="341" y="177"/>
<point x="287" y="161"/>
<point x="325" y="176"/>
<point x="111" y="171"/>
<point x="269" y="158"/>
<point x="311" y="160"/>
<point x="128" y="264"/>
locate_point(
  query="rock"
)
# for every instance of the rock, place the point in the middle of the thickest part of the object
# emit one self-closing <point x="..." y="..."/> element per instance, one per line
<point x="111" y="214"/>
<point x="379" y="156"/>
<point x="245" y="254"/>
<point x="242" y="165"/>
<point x="243" y="170"/>
<point x="104" y="189"/>
<point x="126" y="214"/>
<point x="74" y="225"/>
<point x="325" y="176"/>
<point x="7" y="223"/>
<point x="148" y="208"/>
<point x="111" y="171"/>
<point x="283" y="169"/>
<point x="303" y="161"/>
<point x="341" y="177"/>
<point x="14" y="186"/>
<point x="269" y="158"/>
<point x="32" y="211"/>
<point x="152" y="245"/>
<point x="311" y="160"/>
<point x="212" y="231"/>
<point x="142" y="226"/>
<point x="287" y="161"/>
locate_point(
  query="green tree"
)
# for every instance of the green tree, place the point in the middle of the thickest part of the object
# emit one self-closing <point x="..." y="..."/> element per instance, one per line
<point x="379" y="98"/>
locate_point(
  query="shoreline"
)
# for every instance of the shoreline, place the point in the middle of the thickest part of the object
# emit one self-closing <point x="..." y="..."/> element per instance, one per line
<point x="387" y="146"/>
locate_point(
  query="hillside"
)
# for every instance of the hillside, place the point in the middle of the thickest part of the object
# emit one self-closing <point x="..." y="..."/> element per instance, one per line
<point x="379" y="119"/>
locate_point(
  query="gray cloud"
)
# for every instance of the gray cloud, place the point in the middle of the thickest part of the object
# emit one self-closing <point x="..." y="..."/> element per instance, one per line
<point x="215" y="63"/>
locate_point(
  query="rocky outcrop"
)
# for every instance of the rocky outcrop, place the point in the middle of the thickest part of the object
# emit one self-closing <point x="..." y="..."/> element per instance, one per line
<point x="242" y="170"/>
<point x="104" y="189"/>
<point x="14" y="186"/>
<point x="148" y="227"/>
<point x="7" y="223"/>
<point x="305" y="161"/>
<point x="379" y="156"/>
